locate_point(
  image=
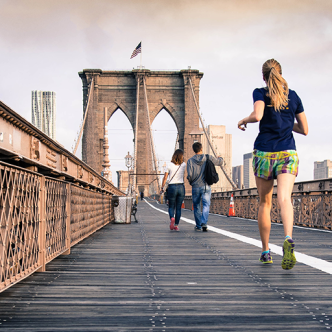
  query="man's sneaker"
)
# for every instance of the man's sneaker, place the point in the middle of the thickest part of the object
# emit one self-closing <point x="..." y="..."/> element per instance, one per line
<point x="176" y="228"/>
<point x="288" y="260"/>
<point x="204" y="228"/>
<point x="198" y="229"/>
<point x="266" y="258"/>
<point x="171" y="225"/>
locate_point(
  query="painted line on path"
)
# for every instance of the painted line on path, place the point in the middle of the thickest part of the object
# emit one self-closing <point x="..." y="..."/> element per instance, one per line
<point x="311" y="261"/>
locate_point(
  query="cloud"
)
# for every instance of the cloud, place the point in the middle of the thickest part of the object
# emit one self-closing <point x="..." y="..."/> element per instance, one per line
<point x="45" y="43"/>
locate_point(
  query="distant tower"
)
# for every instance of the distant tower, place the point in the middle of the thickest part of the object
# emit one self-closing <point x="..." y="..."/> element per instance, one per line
<point x="322" y="169"/>
<point x="248" y="172"/>
<point x="237" y="176"/>
<point x="222" y="144"/>
<point x="43" y="111"/>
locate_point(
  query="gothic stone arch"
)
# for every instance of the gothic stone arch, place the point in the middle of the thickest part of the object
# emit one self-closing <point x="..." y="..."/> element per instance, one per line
<point x="119" y="89"/>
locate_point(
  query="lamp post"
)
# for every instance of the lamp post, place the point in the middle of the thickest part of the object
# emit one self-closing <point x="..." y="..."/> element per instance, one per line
<point x="129" y="164"/>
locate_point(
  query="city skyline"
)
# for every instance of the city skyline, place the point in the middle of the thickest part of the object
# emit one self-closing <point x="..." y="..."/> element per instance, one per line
<point x="44" y="46"/>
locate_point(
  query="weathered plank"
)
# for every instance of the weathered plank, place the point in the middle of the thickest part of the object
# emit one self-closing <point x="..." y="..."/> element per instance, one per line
<point x="142" y="277"/>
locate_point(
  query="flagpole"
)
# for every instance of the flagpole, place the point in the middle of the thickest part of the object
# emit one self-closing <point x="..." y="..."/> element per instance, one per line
<point x="141" y="56"/>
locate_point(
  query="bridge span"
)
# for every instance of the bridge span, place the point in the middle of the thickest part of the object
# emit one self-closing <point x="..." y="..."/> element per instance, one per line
<point x="56" y="218"/>
<point x="142" y="277"/>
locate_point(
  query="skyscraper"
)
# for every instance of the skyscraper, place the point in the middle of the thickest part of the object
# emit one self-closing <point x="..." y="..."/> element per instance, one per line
<point x="43" y="111"/>
<point x="322" y="169"/>
<point x="248" y="172"/>
<point x="222" y="144"/>
<point x="237" y="176"/>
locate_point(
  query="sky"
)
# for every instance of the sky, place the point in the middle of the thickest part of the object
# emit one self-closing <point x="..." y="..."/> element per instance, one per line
<point x="44" y="44"/>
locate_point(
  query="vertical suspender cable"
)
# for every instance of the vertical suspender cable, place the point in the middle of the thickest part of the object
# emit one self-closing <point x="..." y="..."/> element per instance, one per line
<point x="150" y="133"/>
<point x="176" y="141"/>
<point x="208" y="138"/>
<point x="136" y="138"/>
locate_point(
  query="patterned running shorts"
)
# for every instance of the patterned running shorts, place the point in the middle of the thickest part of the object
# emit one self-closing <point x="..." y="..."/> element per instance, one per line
<point x="268" y="165"/>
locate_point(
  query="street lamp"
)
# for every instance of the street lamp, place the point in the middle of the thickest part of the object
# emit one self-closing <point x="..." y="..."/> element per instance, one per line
<point x="129" y="163"/>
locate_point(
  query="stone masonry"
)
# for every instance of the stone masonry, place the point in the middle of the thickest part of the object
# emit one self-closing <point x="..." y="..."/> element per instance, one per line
<point x="124" y="90"/>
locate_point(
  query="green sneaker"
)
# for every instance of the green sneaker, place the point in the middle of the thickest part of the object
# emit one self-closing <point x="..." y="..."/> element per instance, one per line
<point x="288" y="260"/>
<point x="266" y="258"/>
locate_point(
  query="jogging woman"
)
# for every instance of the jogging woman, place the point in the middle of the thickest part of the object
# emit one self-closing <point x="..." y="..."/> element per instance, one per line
<point x="274" y="157"/>
<point x="175" y="190"/>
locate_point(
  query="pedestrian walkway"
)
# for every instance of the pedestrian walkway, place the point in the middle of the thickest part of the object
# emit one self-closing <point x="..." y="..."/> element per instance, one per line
<point x="143" y="277"/>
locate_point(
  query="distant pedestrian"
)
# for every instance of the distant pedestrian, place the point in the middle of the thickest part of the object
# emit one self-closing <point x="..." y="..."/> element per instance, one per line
<point x="201" y="191"/>
<point x="142" y="195"/>
<point x="175" y="189"/>
<point x="274" y="156"/>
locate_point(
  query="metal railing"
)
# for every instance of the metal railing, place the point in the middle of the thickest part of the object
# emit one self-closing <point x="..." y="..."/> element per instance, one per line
<point x="312" y="203"/>
<point x="89" y="212"/>
<point x="49" y="199"/>
<point x="42" y="218"/>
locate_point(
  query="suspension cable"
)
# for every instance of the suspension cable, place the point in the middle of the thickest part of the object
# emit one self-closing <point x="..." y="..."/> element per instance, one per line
<point x="150" y="133"/>
<point x="85" y="114"/>
<point x="136" y="136"/>
<point x="208" y="138"/>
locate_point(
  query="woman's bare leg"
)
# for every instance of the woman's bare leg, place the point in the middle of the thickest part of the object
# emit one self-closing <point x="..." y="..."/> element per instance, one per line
<point x="265" y="191"/>
<point x="285" y="188"/>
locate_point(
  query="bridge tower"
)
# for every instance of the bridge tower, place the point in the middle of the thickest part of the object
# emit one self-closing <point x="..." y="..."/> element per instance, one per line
<point x="140" y="94"/>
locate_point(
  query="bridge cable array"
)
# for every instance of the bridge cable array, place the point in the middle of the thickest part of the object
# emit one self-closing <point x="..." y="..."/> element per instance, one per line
<point x="208" y="138"/>
<point x="154" y="160"/>
<point x="78" y="138"/>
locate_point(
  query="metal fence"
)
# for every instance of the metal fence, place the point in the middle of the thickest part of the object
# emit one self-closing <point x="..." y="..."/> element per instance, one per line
<point x="312" y="203"/>
<point x="89" y="212"/>
<point x="19" y="224"/>
<point x="41" y="218"/>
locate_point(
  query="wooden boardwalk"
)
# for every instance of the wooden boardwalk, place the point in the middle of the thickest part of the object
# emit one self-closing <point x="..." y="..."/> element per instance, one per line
<point x="142" y="277"/>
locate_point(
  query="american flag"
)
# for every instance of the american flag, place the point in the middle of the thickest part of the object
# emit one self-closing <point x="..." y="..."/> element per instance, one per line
<point x="137" y="50"/>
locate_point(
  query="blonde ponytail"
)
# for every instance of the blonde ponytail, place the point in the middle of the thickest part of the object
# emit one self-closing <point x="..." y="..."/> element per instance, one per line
<point x="276" y="84"/>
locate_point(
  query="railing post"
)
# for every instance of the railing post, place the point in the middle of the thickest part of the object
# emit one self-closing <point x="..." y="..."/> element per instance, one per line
<point x="42" y="226"/>
<point x="68" y="214"/>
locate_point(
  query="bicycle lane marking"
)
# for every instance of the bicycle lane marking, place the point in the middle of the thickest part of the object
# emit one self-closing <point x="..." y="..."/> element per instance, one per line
<point x="311" y="261"/>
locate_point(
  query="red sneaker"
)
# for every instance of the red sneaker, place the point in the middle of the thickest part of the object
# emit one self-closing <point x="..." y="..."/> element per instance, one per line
<point x="176" y="228"/>
<point x="171" y="225"/>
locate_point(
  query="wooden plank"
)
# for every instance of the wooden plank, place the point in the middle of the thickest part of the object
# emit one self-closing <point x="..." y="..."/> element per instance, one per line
<point x="142" y="277"/>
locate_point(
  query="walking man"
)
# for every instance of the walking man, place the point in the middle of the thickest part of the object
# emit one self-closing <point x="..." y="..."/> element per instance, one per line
<point x="201" y="191"/>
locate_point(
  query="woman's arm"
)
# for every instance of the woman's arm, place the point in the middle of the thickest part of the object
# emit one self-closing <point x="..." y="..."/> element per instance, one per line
<point x="255" y="116"/>
<point x="301" y="127"/>
<point x="164" y="182"/>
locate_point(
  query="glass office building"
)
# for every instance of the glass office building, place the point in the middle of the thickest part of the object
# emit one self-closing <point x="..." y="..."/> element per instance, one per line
<point x="43" y="111"/>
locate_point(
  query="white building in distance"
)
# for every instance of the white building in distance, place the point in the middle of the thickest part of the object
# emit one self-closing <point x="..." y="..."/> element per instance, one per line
<point x="248" y="172"/>
<point x="237" y="176"/>
<point x="43" y="111"/>
<point x="222" y="144"/>
<point x="322" y="169"/>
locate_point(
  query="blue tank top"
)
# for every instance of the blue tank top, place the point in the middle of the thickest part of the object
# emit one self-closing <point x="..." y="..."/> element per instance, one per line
<point x="276" y="128"/>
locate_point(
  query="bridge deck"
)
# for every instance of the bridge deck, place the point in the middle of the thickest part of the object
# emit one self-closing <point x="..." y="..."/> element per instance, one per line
<point x="142" y="277"/>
